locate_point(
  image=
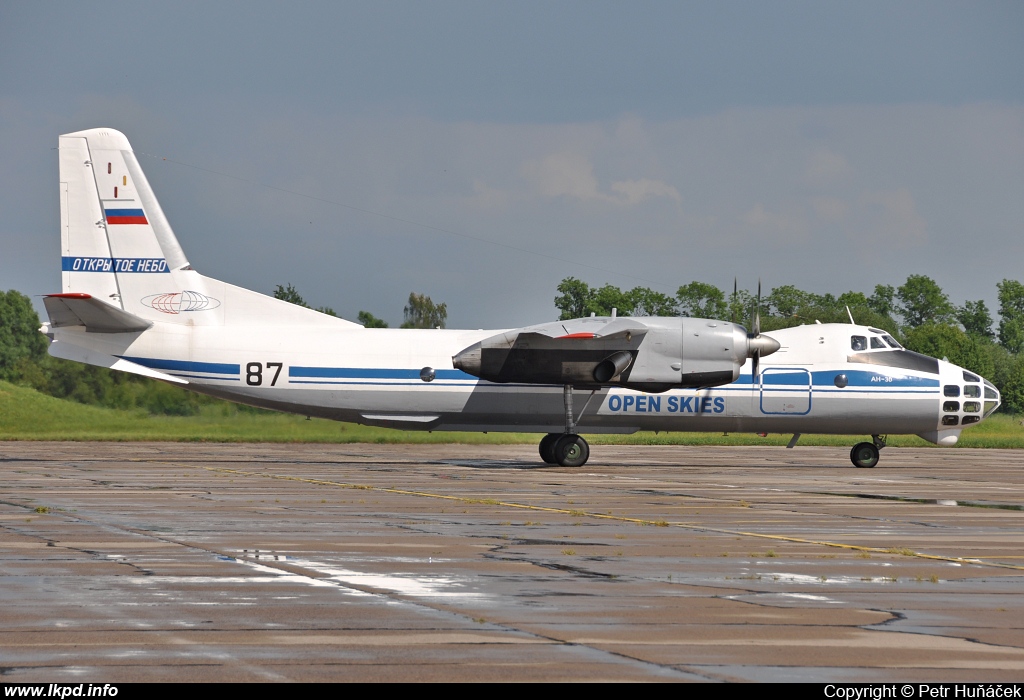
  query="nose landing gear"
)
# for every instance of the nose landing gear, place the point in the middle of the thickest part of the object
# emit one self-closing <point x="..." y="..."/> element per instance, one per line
<point x="565" y="449"/>
<point x="864" y="455"/>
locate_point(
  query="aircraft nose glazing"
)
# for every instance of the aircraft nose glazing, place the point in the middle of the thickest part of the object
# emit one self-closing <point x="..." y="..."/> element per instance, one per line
<point x="993" y="398"/>
<point x="966" y="398"/>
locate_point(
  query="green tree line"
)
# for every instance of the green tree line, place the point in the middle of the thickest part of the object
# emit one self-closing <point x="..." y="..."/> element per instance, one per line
<point x="420" y="312"/>
<point x="918" y="313"/>
<point x="24" y="360"/>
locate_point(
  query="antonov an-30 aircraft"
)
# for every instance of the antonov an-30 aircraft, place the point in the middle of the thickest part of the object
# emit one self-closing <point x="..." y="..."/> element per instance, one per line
<point x="131" y="301"/>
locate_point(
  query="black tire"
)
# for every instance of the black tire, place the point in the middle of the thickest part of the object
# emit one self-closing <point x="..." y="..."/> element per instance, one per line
<point x="547" y="448"/>
<point x="864" y="455"/>
<point x="572" y="451"/>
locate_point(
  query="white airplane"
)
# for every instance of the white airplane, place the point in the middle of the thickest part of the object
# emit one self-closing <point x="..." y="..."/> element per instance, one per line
<point x="131" y="301"/>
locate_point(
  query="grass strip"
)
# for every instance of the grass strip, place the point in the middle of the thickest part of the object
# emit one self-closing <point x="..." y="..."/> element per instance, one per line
<point x="26" y="414"/>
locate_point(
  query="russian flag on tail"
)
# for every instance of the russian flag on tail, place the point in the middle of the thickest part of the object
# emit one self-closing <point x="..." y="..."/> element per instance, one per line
<point x="125" y="216"/>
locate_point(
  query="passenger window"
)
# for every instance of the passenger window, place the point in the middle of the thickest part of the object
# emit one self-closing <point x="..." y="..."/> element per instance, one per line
<point x="950" y="420"/>
<point x="877" y="344"/>
<point x="968" y="377"/>
<point x="972" y="391"/>
<point x="972" y="406"/>
<point x="952" y="390"/>
<point x="951" y="406"/>
<point x="859" y="342"/>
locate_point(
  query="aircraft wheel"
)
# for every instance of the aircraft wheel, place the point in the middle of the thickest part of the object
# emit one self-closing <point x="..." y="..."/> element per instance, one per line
<point x="572" y="451"/>
<point x="864" y="455"/>
<point x="547" y="448"/>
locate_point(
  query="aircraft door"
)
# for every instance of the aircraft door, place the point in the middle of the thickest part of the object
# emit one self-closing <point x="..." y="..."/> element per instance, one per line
<point x="785" y="391"/>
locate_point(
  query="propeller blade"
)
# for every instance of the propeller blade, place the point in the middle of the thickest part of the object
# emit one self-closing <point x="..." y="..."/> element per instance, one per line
<point x="755" y="334"/>
<point x="757" y="318"/>
<point x="735" y="293"/>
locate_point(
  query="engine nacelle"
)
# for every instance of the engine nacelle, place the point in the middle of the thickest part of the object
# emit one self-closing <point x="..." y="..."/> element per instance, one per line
<point x="687" y="352"/>
<point x="580" y="352"/>
<point x="652" y="354"/>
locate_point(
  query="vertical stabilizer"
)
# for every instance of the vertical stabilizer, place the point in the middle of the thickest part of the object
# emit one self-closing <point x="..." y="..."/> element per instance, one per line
<point x="118" y="244"/>
<point x="118" y="247"/>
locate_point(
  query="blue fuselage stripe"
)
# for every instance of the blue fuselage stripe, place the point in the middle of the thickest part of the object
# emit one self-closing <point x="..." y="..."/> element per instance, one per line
<point x="361" y="373"/>
<point x="795" y="381"/>
<point x="184" y="366"/>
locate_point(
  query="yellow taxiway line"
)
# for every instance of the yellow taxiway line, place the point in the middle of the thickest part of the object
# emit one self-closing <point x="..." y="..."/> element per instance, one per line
<point x="600" y="516"/>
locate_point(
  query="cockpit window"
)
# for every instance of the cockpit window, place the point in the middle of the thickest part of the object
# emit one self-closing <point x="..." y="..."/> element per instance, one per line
<point x="877" y="344"/>
<point x="968" y="377"/>
<point x="892" y="342"/>
<point x="858" y="342"/>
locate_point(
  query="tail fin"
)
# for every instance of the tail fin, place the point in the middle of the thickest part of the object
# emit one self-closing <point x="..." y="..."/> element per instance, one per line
<point x="116" y="242"/>
<point x="117" y="245"/>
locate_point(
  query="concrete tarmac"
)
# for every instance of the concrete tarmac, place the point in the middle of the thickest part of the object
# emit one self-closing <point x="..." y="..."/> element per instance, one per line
<point x="252" y="562"/>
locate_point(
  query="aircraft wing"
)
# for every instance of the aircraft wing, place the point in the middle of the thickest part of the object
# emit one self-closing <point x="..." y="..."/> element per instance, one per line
<point x="650" y="354"/>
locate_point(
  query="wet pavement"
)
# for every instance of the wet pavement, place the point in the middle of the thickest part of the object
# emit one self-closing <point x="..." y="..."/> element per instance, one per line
<point x="206" y="562"/>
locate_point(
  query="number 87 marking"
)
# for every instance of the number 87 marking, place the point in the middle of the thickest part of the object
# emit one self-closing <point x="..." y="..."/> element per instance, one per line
<point x="254" y="373"/>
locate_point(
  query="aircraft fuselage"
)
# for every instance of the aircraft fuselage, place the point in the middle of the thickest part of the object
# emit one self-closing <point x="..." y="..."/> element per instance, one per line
<point x="376" y="377"/>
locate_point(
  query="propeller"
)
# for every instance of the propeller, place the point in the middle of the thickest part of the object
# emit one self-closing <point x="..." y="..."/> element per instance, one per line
<point x="758" y="344"/>
<point x="755" y="331"/>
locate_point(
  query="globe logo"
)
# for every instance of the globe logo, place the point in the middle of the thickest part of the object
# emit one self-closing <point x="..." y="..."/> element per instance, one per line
<point x="180" y="302"/>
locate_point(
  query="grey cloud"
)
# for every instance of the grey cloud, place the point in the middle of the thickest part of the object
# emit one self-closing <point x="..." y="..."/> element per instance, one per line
<point x="649" y="202"/>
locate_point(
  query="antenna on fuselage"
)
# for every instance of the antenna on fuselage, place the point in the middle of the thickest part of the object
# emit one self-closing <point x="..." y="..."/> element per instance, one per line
<point x="852" y="322"/>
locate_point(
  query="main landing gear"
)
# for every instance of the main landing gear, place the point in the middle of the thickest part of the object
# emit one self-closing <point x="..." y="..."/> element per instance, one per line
<point x="565" y="449"/>
<point x="864" y="455"/>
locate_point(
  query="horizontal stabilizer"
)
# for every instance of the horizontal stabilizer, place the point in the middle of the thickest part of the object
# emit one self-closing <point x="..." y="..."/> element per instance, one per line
<point x="76" y="309"/>
<point x="68" y="351"/>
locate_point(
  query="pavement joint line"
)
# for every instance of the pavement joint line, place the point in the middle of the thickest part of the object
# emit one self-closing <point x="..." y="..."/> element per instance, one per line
<point x="297" y="569"/>
<point x="603" y="516"/>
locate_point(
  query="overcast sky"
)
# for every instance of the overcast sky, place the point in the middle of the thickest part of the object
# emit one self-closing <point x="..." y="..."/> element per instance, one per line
<point x="479" y="152"/>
